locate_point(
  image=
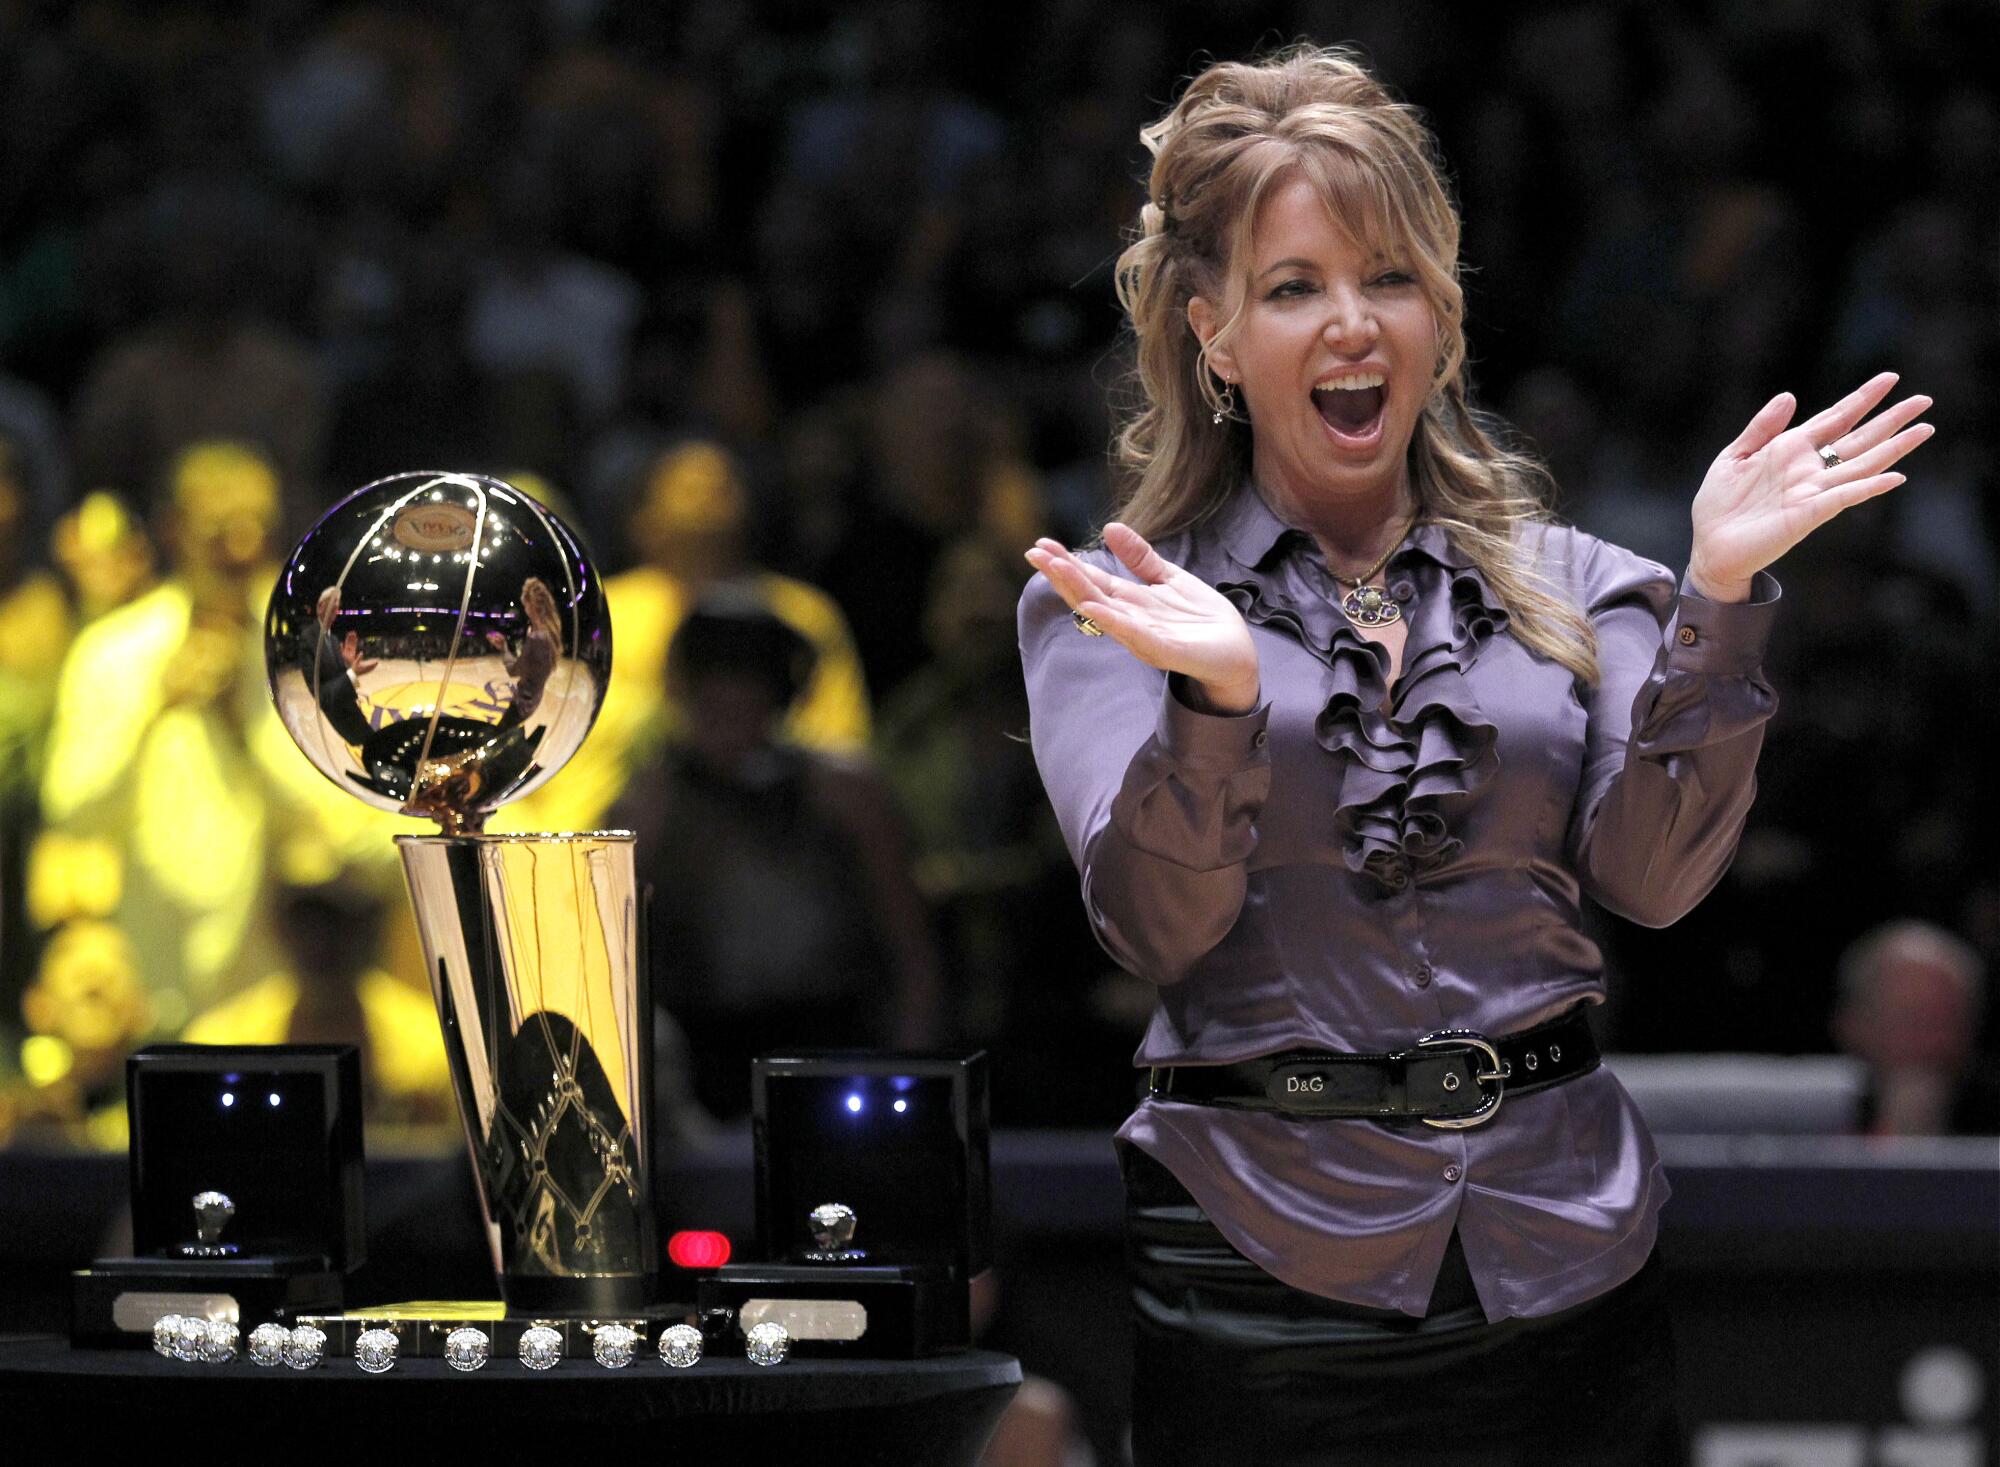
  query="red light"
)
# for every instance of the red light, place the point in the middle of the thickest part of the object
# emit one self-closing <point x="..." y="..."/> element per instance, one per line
<point x="698" y="1250"/>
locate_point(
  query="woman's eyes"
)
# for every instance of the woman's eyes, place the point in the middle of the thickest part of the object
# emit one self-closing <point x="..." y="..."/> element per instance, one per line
<point x="1306" y="287"/>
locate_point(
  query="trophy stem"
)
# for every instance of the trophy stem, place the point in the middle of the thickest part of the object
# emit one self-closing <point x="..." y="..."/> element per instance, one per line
<point x="532" y="946"/>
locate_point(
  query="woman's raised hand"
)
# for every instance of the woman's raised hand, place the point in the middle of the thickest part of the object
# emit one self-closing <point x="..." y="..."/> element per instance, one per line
<point x="1770" y="488"/>
<point x="1169" y="618"/>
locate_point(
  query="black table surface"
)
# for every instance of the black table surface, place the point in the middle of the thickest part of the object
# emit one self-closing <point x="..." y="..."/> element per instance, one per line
<point x="939" y="1410"/>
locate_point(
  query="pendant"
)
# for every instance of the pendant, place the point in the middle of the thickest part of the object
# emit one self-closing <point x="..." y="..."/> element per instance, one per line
<point x="1371" y="606"/>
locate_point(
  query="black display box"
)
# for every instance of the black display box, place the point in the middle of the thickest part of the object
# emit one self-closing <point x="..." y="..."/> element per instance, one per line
<point x="827" y="1129"/>
<point x="903" y="1141"/>
<point x="277" y="1128"/>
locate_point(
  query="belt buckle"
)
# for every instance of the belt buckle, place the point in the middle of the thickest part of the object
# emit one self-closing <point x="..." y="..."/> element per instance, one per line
<point x="1466" y="1040"/>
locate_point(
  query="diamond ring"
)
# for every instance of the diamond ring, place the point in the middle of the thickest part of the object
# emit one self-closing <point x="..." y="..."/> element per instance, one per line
<point x="613" y="1345"/>
<point x="267" y="1344"/>
<point x="680" y="1346"/>
<point x="190" y="1337"/>
<point x="467" y="1348"/>
<point x="767" y="1343"/>
<point x="212" y="1212"/>
<point x="218" y="1344"/>
<point x="375" y="1350"/>
<point x="832" y="1226"/>
<point x="304" y="1347"/>
<point x="541" y="1348"/>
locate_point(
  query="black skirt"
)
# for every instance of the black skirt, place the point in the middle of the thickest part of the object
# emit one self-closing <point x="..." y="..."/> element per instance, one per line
<point x="1232" y="1365"/>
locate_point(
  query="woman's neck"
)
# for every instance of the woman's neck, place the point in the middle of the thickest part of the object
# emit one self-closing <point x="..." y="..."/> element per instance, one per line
<point x="1352" y="533"/>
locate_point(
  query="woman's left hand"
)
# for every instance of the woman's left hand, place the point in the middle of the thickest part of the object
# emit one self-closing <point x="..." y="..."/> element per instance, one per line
<point x="1770" y="489"/>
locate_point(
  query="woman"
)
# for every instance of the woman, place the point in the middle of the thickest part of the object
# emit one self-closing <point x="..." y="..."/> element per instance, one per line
<point x="1340" y="725"/>
<point x="541" y="648"/>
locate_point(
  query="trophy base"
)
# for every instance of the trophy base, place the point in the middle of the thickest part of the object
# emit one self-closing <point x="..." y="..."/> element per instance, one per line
<point x="611" y="1296"/>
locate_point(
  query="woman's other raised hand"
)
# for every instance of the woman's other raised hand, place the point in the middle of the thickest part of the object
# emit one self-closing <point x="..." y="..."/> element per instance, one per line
<point x="1168" y="618"/>
<point x="1771" y="488"/>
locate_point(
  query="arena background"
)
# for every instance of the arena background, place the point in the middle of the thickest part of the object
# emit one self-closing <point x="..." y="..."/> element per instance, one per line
<point x="816" y="300"/>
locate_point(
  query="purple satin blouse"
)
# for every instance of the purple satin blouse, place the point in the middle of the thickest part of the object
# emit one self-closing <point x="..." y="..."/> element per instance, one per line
<point x="1318" y="874"/>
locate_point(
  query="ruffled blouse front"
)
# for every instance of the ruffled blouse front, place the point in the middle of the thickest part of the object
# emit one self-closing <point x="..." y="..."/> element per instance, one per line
<point x="1402" y="773"/>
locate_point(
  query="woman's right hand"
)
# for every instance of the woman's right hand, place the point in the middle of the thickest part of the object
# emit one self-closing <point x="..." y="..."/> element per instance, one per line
<point x="1169" y="618"/>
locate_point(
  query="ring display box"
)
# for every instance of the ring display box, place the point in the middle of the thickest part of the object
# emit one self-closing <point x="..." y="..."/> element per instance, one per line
<point x="246" y="1177"/>
<point x="874" y="1207"/>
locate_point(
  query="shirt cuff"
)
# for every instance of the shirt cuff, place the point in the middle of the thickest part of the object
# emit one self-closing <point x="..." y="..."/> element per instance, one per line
<point x="1722" y="636"/>
<point x="1218" y="741"/>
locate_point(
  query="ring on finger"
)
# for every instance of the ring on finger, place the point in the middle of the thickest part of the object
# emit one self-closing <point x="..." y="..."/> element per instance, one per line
<point x="1085" y="625"/>
<point x="1828" y="457"/>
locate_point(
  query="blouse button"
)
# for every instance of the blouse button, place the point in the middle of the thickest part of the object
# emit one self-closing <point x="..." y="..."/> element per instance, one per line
<point x="1402" y="590"/>
<point x="1260" y="738"/>
<point x="1687" y="636"/>
<point x="1452" y="1173"/>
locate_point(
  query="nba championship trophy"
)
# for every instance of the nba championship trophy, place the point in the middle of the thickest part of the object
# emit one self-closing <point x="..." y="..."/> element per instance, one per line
<point x="438" y="644"/>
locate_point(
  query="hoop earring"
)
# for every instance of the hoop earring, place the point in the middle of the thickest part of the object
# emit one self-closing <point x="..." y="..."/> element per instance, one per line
<point x="1228" y="408"/>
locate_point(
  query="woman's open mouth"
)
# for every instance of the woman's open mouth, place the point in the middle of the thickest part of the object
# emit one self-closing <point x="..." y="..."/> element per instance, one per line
<point x="1352" y="409"/>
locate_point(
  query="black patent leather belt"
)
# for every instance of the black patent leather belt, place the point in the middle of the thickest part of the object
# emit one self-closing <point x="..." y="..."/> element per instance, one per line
<point x="1450" y="1079"/>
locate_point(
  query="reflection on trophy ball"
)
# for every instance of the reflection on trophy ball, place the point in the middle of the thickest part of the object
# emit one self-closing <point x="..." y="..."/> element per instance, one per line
<point x="438" y="644"/>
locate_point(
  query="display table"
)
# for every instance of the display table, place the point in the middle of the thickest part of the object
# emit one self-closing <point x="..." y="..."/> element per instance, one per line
<point x="898" y="1413"/>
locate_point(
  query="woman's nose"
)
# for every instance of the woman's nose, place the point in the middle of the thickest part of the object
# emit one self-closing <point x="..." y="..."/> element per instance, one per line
<point x="1350" y="322"/>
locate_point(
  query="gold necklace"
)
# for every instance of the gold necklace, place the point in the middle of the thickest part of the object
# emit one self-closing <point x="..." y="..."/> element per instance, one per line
<point x="1372" y="606"/>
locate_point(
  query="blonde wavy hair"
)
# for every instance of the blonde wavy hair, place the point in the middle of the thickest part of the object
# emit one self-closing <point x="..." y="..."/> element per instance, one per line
<point x="1237" y="130"/>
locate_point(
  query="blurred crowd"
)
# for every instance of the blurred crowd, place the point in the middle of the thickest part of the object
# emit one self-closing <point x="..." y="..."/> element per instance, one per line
<point x="802" y="313"/>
